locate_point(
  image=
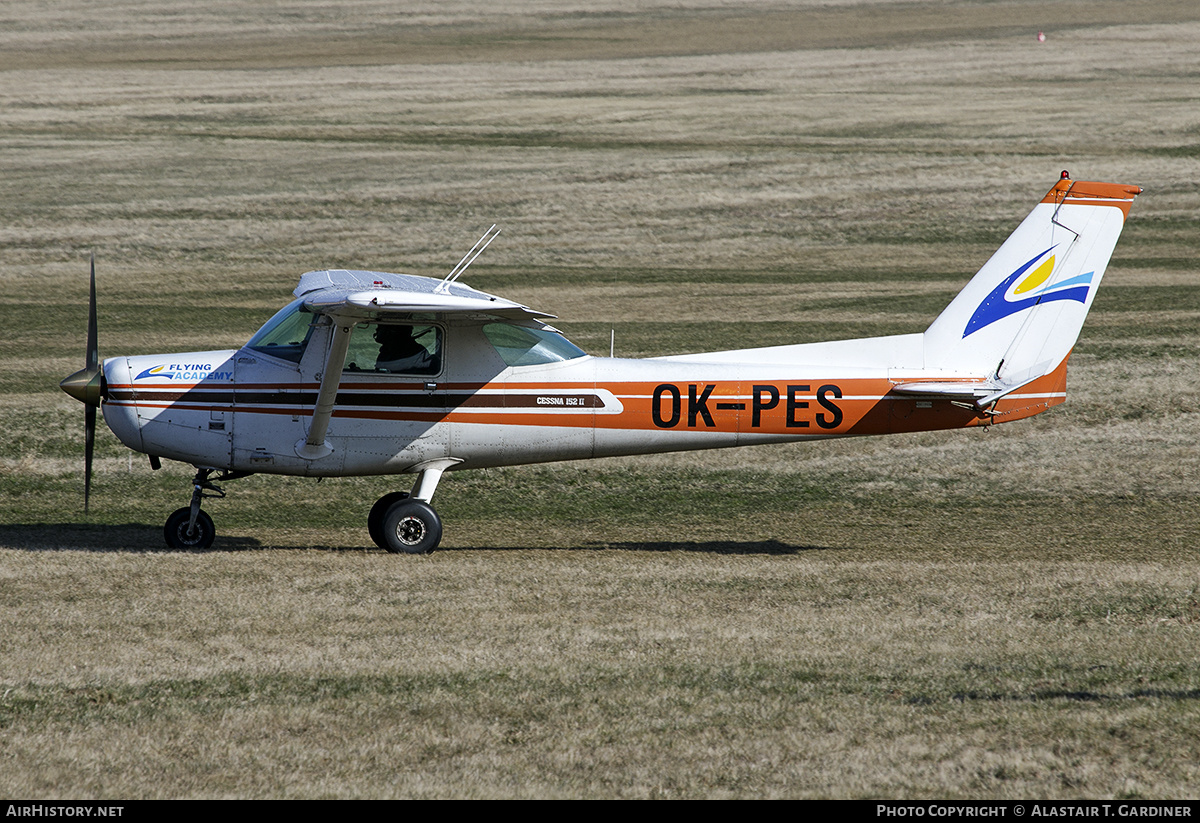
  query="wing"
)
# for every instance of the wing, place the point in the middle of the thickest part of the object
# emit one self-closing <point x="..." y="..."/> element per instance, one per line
<point x="361" y="295"/>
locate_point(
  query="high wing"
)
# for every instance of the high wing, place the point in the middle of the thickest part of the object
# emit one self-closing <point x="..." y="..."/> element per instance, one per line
<point x="349" y="297"/>
<point x="371" y="294"/>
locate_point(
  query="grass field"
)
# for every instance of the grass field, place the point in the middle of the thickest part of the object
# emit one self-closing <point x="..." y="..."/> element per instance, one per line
<point x="1005" y="613"/>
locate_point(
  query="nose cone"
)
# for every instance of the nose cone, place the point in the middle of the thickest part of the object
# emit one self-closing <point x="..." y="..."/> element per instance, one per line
<point x="85" y="385"/>
<point x="120" y="403"/>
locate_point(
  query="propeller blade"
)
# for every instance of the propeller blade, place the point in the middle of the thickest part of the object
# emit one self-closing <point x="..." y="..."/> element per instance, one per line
<point x="93" y="346"/>
<point x="92" y="365"/>
<point x="89" y="442"/>
<point x="86" y="385"/>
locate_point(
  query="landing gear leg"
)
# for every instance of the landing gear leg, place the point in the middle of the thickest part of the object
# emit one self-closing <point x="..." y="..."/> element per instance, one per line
<point x="189" y="527"/>
<point x="407" y="523"/>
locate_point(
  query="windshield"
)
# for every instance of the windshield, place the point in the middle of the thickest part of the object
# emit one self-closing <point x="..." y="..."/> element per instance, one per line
<point x="524" y="346"/>
<point x="286" y="334"/>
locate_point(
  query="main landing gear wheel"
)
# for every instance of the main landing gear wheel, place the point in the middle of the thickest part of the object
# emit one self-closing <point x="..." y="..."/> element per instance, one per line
<point x="411" y="526"/>
<point x="176" y="530"/>
<point x="375" y="518"/>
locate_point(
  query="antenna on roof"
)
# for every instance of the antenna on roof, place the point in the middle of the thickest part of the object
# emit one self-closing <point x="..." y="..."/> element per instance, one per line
<point x="475" y="251"/>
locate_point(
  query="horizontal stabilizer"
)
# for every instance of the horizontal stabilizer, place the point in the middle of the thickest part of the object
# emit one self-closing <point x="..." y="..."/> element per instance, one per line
<point x="979" y="395"/>
<point x="946" y="391"/>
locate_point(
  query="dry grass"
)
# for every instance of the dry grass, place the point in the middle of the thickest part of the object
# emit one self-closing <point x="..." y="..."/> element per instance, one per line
<point x="674" y="674"/>
<point x="1009" y="613"/>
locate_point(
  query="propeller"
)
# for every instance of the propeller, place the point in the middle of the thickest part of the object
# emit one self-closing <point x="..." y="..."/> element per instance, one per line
<point x="87" y="386"/>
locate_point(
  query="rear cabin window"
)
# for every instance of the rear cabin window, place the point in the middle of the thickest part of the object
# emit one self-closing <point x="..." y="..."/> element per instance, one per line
<point x="525" y="346"/>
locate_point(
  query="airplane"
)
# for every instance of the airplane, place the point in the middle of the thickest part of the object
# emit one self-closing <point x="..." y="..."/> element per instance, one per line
<point x="373" y="373"/>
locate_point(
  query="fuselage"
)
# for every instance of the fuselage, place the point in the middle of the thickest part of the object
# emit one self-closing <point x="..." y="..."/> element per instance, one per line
<point x="246" y="410"/>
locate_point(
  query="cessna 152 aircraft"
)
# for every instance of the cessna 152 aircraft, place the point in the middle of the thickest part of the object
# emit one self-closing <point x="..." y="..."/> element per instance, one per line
<point x="368" y="373"/>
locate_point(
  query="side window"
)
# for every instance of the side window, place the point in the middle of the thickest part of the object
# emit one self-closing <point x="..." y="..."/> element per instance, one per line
<point x="395" y="349"/>
<point x="526" y="346"/>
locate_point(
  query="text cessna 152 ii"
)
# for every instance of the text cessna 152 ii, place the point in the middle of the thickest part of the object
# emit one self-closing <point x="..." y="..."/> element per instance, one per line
<point x="368" y="373"/>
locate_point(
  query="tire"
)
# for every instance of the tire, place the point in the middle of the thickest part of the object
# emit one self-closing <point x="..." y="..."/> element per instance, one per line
<point x="176" y="534"/>
<point x="411" y="527"/>
<point x="378" y="511"/>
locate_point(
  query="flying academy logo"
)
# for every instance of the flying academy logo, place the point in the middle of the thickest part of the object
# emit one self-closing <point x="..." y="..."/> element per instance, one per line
<point x="191" y="372"/>
<point x="1024" y="289"/>
<point x="156" y="371"/>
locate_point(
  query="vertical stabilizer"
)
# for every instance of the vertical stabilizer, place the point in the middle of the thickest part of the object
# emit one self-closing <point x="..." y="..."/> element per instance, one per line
<point x="1020" y="315"/>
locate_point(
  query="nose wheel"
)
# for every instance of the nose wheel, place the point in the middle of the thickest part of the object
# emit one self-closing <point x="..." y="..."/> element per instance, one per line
<point x="181" y="533"/>
<point x="189" y="527"/>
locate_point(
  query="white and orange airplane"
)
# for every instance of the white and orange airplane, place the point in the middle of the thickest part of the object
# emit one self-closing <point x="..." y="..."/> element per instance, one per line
<point x="368" y="373"/>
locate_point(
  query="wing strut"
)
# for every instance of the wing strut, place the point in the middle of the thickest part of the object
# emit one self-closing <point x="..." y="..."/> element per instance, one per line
<point x="314" y="446"/>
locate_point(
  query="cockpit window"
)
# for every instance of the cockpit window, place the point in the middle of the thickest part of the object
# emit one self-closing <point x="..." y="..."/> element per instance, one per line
<point x="395" y="349"/>
<point x="286" y="334"/>
<point x="525" y="346"/>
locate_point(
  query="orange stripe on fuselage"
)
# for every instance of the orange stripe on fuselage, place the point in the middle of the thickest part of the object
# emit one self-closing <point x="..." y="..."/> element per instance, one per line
<point x="775" y="407"/>
<point x="815" y="408"/>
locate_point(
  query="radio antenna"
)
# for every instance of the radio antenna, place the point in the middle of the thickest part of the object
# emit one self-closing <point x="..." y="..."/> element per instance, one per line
<point x="469" y="258"/>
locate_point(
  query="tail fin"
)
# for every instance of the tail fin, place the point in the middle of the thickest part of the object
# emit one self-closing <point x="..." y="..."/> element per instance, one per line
<point x="1020" y="315"/>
